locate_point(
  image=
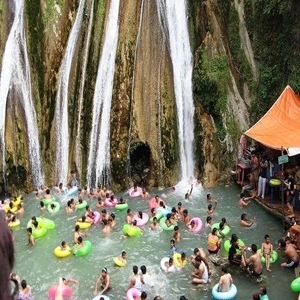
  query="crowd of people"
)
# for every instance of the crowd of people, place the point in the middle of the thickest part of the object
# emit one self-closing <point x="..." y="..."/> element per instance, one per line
<point x="238" y="256"/>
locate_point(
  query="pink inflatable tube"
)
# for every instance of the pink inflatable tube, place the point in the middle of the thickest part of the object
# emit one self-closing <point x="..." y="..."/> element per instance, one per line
<point x="97" y="217"/>
<point x="66" y="291"/>
<point x="152" y="203"/>
<point x="132" y="193"/>
<point x="108" y="203"/>
<point x="132" y="293"/>
<point x="143" y="221"/>
<point x="198" y="223"/>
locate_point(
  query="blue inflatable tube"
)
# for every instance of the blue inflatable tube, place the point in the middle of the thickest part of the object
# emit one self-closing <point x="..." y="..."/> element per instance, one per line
<point x="230" y="295"/>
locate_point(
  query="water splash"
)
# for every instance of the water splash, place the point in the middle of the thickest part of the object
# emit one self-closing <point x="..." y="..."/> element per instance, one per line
<point x="173" y="19"/>
<point x="78" y="147"/>
<point x="61" y="109"/>
<point x="99" y="149"/>
<point x="132" y="87"/>
<point x="15" y="81"/>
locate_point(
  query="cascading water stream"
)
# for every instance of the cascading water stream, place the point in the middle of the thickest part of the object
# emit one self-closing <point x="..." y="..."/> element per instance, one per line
<point x="174" y="19"/>
<point x="133" y="85"/>
<point x="98" y="168"/>
<point x="61" y="109"/>
<point x="15" y="77"/>
<point x="78" y="147"/>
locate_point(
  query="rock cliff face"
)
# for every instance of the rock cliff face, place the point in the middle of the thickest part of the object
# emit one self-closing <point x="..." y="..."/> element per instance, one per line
<point x="237" y="77"/>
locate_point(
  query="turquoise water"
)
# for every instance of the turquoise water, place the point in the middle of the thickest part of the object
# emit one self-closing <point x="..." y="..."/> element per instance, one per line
<point x="41" y="268"/>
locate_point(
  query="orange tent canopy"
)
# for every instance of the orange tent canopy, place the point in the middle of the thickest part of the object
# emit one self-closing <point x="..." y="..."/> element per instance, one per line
<point x="280" y="126"/>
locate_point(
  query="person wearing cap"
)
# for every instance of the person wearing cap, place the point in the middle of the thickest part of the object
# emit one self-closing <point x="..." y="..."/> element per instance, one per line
<point x="104" y="279"/>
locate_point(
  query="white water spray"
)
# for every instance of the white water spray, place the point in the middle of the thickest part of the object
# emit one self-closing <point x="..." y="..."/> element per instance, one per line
<point x="15" y="78"/>
<point x="61" y="109"/>
<point x="174" y="19"/>
<point x="78" y="147"/>
<point x="99" y="148"/>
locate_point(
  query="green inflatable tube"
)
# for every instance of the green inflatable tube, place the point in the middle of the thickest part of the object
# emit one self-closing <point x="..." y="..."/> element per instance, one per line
<point x="87" y="247"/>
<point x="163" y="225"/>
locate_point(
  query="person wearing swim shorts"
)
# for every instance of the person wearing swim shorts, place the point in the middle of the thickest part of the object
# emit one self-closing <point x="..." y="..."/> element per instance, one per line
<point x="254" y="261"/>
<point x="290" y="252"/>
<point x="104" y="279"/>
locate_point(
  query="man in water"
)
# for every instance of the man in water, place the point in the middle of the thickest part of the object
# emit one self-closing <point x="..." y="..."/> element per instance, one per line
<point x="290" y="252"/>
<point x="254" y="263"/>
<point x="225" y="281"/>
<point x="200" y="274"/>
<point x="104" y="279"/>
<point x="136" y="281"/>
<point x="245" y="222"/>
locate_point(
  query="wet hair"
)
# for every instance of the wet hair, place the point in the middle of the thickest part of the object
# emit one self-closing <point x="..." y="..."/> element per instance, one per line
<point x="208" y="219"/>
<point x="123" y="253"/>
<point x="68" y="203"/>
<point x="121" y="200"/>
<point x="52" y="205"/>
<point x="80" y="201"/>
<point x="63" y="243"/>
<point x="143" y="269"/>
<point x="152" y="210"/>
<point x="174" y="210"/>
<point x="105" y="222"/>
<point x="243" y="216"/>
<point x="29" y="229"/>
<point x="161" y="204"/>
<point x="223" y="220"/>
<point x="154" y="219"/>
<point x="208" y="196"/>
<point x="7" y="259"/>
<point x="170" y="260"/>
<point x="196" y="250"/>
<point x="77" y="227"/>
<point x="169" y="216"/>
<point x="183" y="255"/>
<point x="47" y="191"/>
<point x="42" y="204"/>
<point x="254" y="248"/>
<point x="221" y="225"/>
<point x="143" y="295"/>
<point x="224" y="269"/>
<point x="176" y="228"/>
<point x="242" y="195"/>
<point x="141" y="214"/>
<point x="172" y="241"/>
<point x="87" y="207"/>
<point x="23" y="284"/>
<point x="135" y="269"/>
<point x="83" y="218"/>
<point x="209" y="207"/>
<point x="103" y="211"/>
<point x="128" y="210"/>
<point x="179" y="204"/>
<point x="234" y="238"/>
<point x="79" y="239"/>
<point x="214" y="230"/>
<point x="134" y="223"/>
<point x="267" y="236"/>
<point x="183" y="298"/>
<point x="198" y="258"/>
<point x="112" y="216"/>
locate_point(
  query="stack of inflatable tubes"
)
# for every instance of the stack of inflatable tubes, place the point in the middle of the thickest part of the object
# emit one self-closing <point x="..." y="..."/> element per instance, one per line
<point x="133" y="194"/>
<point x="82" y="205"/>
<point x="163" y="225"/>
<point x="198" y="223"/>
<point x="132" y="294"/>
<point x="118" y="262"/>
<point x="86" y="249"/>
<point x="163" y="265"/>
<point x="62" y="253"/>
<point x="143" y="221"/>
<point x="230" y="295"/>
<point x="132" y="230"/>
<point x="227" y="245"/>
<point x="272" y="259"/>
<point x="56" y="207"/>
<point x="66" y="291"/>
<point x="225" y="231"/>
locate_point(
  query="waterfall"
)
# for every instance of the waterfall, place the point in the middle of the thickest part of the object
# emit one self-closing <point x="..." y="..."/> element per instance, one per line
<point x="61" y="109"/>
<point x="132" y="87"/>
<point x="98" y="168"/>
<point x="173" y="18"/>
<point x="78" y="147"/>
<point x="15" y="78"/>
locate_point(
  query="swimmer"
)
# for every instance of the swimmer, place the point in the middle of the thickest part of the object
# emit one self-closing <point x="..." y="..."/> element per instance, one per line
<point x="192" y="225"/>
<point x="104" y="215"/>
<point x="188" y="193"/>
<point x="244" y="201"/>
<point x="208" y="223"/>
<point x="155" y="224"/>
<point x="78" y="233"/>
<point x="185" y="217"/>
<point x="64" y="247"/>
<point x="136" y="281"/>
<point x="173" y="249"/>
<point x="225" y="281"/>
<point x="209" y="198"/>
<point x="20" y="209"/>
<point x="48" y="195"/>
<point x="42" y="206"/>
<point x="83" y="220"/>
<point x="144" y="193"/>
<point x="200" y="274"/>
<point x="31" y="240"/>
<point x="111" y="220"/>
<point x="107" y="229"/>
<point x="129" y="216"/>
<point x="245" y="222"/>
<point x="169" y="264"/>
<point x="80" y="244"/>
<point x="211" y="209"/>
<point x="169" y="221"/>
<point x="122" y="257"/>
<point x="146" y="276"/>
<point x="177" y="234"/>
<point x="182" y="259"/>
<point x="100" y="202"/>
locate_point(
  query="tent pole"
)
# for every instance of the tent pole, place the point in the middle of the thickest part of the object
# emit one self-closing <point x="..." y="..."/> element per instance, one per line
<point x="282" y="184"/>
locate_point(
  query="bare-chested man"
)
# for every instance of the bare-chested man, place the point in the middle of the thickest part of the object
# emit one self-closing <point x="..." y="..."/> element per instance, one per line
<point x="244" y="201"/>
<point x="245" y="222"/>
<point x="253" y="262"/>
<point x="290" y="252"/>
<point x="225" y="281"/>
<point x="267" y="249"/>
<point x="104" y="279"/>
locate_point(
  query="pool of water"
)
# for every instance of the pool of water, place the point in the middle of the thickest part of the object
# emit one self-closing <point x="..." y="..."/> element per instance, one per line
<point x="41" y="268"/>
